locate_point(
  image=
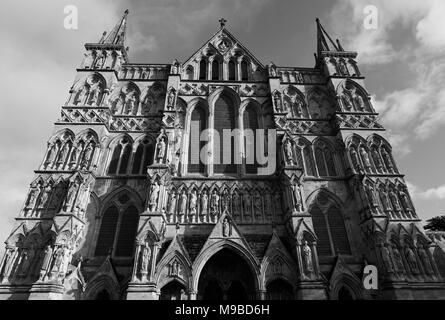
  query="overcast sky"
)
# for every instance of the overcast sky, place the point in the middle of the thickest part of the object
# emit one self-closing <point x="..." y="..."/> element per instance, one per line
<point x="403" y="61"/>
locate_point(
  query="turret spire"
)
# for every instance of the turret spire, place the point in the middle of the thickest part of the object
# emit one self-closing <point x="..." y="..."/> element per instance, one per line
<point x="324" y="41"/>
<point x="117" y="35"/>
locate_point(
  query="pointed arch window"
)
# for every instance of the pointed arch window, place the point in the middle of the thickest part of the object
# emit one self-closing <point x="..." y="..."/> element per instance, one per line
<point x="224" y="119"/>
<point x="195" y="163"/>
<point x="244" y="71"/>
<point x="331" y="231"/>
<point x="143" y="157"/>
<point x="250" y="122"/>
<point x="232" y="70"/>
<point x="215" y="70"/>
<point x="325" y="161"/>
<point x="309" y="160"/>
<point x="203" y="70"/>
<point x="118" y="229"/>
<point x="120" y="157"/>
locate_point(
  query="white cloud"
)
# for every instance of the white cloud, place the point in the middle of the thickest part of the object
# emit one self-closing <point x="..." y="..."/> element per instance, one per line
<point x="435" y="193"/>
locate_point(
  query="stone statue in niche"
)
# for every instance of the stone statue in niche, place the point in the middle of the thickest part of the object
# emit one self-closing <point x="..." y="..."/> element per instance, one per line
<point x="371" y="196"/>
<point x="385" y="201"/>
<point x="160" y="151"/>
<point x="226" y="228"/>
<point x="75" y="156"/>
<point x="172" y="203"/>
<point x="214" y="203"/>
<point x="298" y="108"/>
<point x="395" y="201"/>
<point x="247" y="206"/>
<point x="297" y="197"/>
<point x="386" y="257"/>
<point x="99" y="62"/>
<point x="347" y="99"/>
<point x="355" y="159"/>
<point x="343" y="68"/>
<point x="204" y="203"/>
<point x="51" y="155"/>
<point x="278" y="103"/>
<point x="130" y="103"/>
<point x="154" y="195"/>
<point x="307" y="258"/>
<point x="46" y="261"/>
<point x="272" y="70"/>
<point x="377" y="160"/>
<point x="65" y="261"/>
<point x="46" y="193"/>
<point x="405" y="201"/>
<point x="87" y="156"/>
<point x="183" y="206"/>
<point x="174" y="268"/>
<point x="71" y="196"/>
<point x="288" y="152"/>
<point x="225" y="201"/>
<point x="32" y="198"/>
<point x="397" y="258"/>
<point x="365" y="158"/>
<point x="145" y="259"/>
<point x="193" y="202"/>
<point x="63" y="155"/>
<point x="388" y="160"/>
<point x="423" y="255"/>
<point x="171" y="99"/>
<point x="359" y="103"/>
<point x="27" y="260"/>
<point x="412" y="261"/>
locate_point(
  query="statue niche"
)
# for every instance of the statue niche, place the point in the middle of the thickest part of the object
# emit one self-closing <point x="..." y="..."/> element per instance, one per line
<point x="125" y="100"/>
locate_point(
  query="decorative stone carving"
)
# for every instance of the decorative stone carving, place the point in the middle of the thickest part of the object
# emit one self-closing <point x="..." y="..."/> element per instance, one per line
<point x="308" y="264"/>
<point x="183" y="206"/>
<point x="386" y="257"/>
<point x="398" y="261"/>
<point x="288" y="152"/>
<point x="412" y="261"/>
<point x="160" y="151"/>
<point x="174" y="268"/>
<point x="365" y="158"/>
<point x="193" y="203"/>
<point x="423" y="255"/>
<point x="247" y="205"/>
<point x="204" y="203"/>
<point x="154" y="195"/>
<point x="214" y="203"/>
<point x="226" y="228"/>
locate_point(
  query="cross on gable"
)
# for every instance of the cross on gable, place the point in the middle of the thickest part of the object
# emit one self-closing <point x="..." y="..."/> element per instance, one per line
<point x="222" y="22"/>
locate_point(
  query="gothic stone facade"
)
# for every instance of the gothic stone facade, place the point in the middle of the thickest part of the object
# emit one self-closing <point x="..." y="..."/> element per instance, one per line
<point x="119" y="209"/>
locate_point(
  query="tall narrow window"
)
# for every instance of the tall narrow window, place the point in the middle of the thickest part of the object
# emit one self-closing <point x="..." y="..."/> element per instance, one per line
<point x="203" y="70"/>
<point x="321" y="230"/>
<point x="190" y="73"/>
<point x="308" y="161"/>
<point x="143" y="157"/>
<point x="198" y="119"/>
<point x="215" y="70"/>
<point x="107" y="231"/>
<point x="244" y="71"/>
<point x="250" y="121"/>
<point x="127" y="232"/>
<point x="224" y="116"/>
<point x="232" y="70"/>
<point x="319" y="158"/>
<point x="112" y="169"/>
<point x="338" y="231"/>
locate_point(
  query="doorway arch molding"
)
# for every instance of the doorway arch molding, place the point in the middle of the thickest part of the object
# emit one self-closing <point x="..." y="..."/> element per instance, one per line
<point x="207" y="253"/>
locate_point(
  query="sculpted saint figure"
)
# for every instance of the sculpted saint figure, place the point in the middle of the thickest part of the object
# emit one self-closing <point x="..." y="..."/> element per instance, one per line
<point x="226" y="227"/>
<point x="161" y="151"/>
<point x="154" y="195"/>
<point x="412" y="261"/>
<point x="193" y="202"/>
<point x="307" y="257"/>
<point x="204" y="203"/>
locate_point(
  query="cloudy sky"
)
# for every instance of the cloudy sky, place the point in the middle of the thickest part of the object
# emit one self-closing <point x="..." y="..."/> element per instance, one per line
<point x="403" y="60"/>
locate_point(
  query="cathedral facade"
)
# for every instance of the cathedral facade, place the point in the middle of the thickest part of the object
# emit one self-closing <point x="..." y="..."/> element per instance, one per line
<point x="136" y="197"/>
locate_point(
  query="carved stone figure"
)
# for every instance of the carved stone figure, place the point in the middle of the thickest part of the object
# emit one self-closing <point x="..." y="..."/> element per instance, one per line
<point x="347" y="101"/>
<point x="193" y="203"/>
<point x="278" y="103"/>
<point x="171" y="99"/>
<point x="298" y="108"/>
<point x="174" y="268"/>
<point x="386" y="257"/>
<point x="307" y="257"/>
<point x="32" y="198"/>
<point x="412" y="261"/>
<point x="385" y="200"/>
<point x="51" y="155"/>
<point x="343" y="69"/>
<point x="395" y="201"/>
<point x="397" y="259"/>
<point x="160" y="151"/>
<point x="46" y="261"/>
<point x="236" y="207"/>
<point x="145" y="255"/>
<point x="226" y="228"/>
<point x="388" y="161"/>
<point x="27" y="260"/>
<point x="297" y="197"/>
<point x="154" y="195"/>
<point x="46" y="194"/>
<point x="75" y="156"/>
<point x="405" y="201"/>
<point x="377" y="161"/>
<point x="204" y="203"/>
<point x="365" y="158"/>
<point x="66" y="254"/>
<point x="360" y="104"/>
<point x="371" y="196"/>
<point x="63" y="155"/>
<point x="288" y="152"/>
<point x="272" y="70"/>
<point x="183" y="206"/>
<point x="172" y="203"/>
<point x="71" y="196"/>
<point x="355" y="160"/>
<point x="87" y="156"/>
<point x="214" y="203"/>
<point x="423" y="255"/>
<point x="225" y="201"/>
<point x="99" y="62"/>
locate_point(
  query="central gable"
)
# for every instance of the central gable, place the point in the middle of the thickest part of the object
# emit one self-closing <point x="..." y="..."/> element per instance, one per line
<point x="223" y="47"/>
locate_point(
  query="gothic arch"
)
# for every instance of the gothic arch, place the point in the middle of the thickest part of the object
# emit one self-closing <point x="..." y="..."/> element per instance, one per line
<point x="100" y="283"/>
<point x="230" y="93"/>
<point x="352" y="283"/>
<point x="211" y="250"/>
<point x="331" y="198"/>
<point x="113" y="195"/>
<point x="164" y="263"/>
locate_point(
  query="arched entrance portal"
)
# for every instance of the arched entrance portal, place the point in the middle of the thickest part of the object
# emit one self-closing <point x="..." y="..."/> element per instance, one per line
<point x="226" y="276"/>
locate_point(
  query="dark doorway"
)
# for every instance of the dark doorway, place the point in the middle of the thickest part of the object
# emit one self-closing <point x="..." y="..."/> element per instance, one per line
<point x="279" y="290"/>
<point x="226" y="276"/>
<point x="173" y="291"/>
<point x="103" y="295"/>
<point x="345" y="294"/>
